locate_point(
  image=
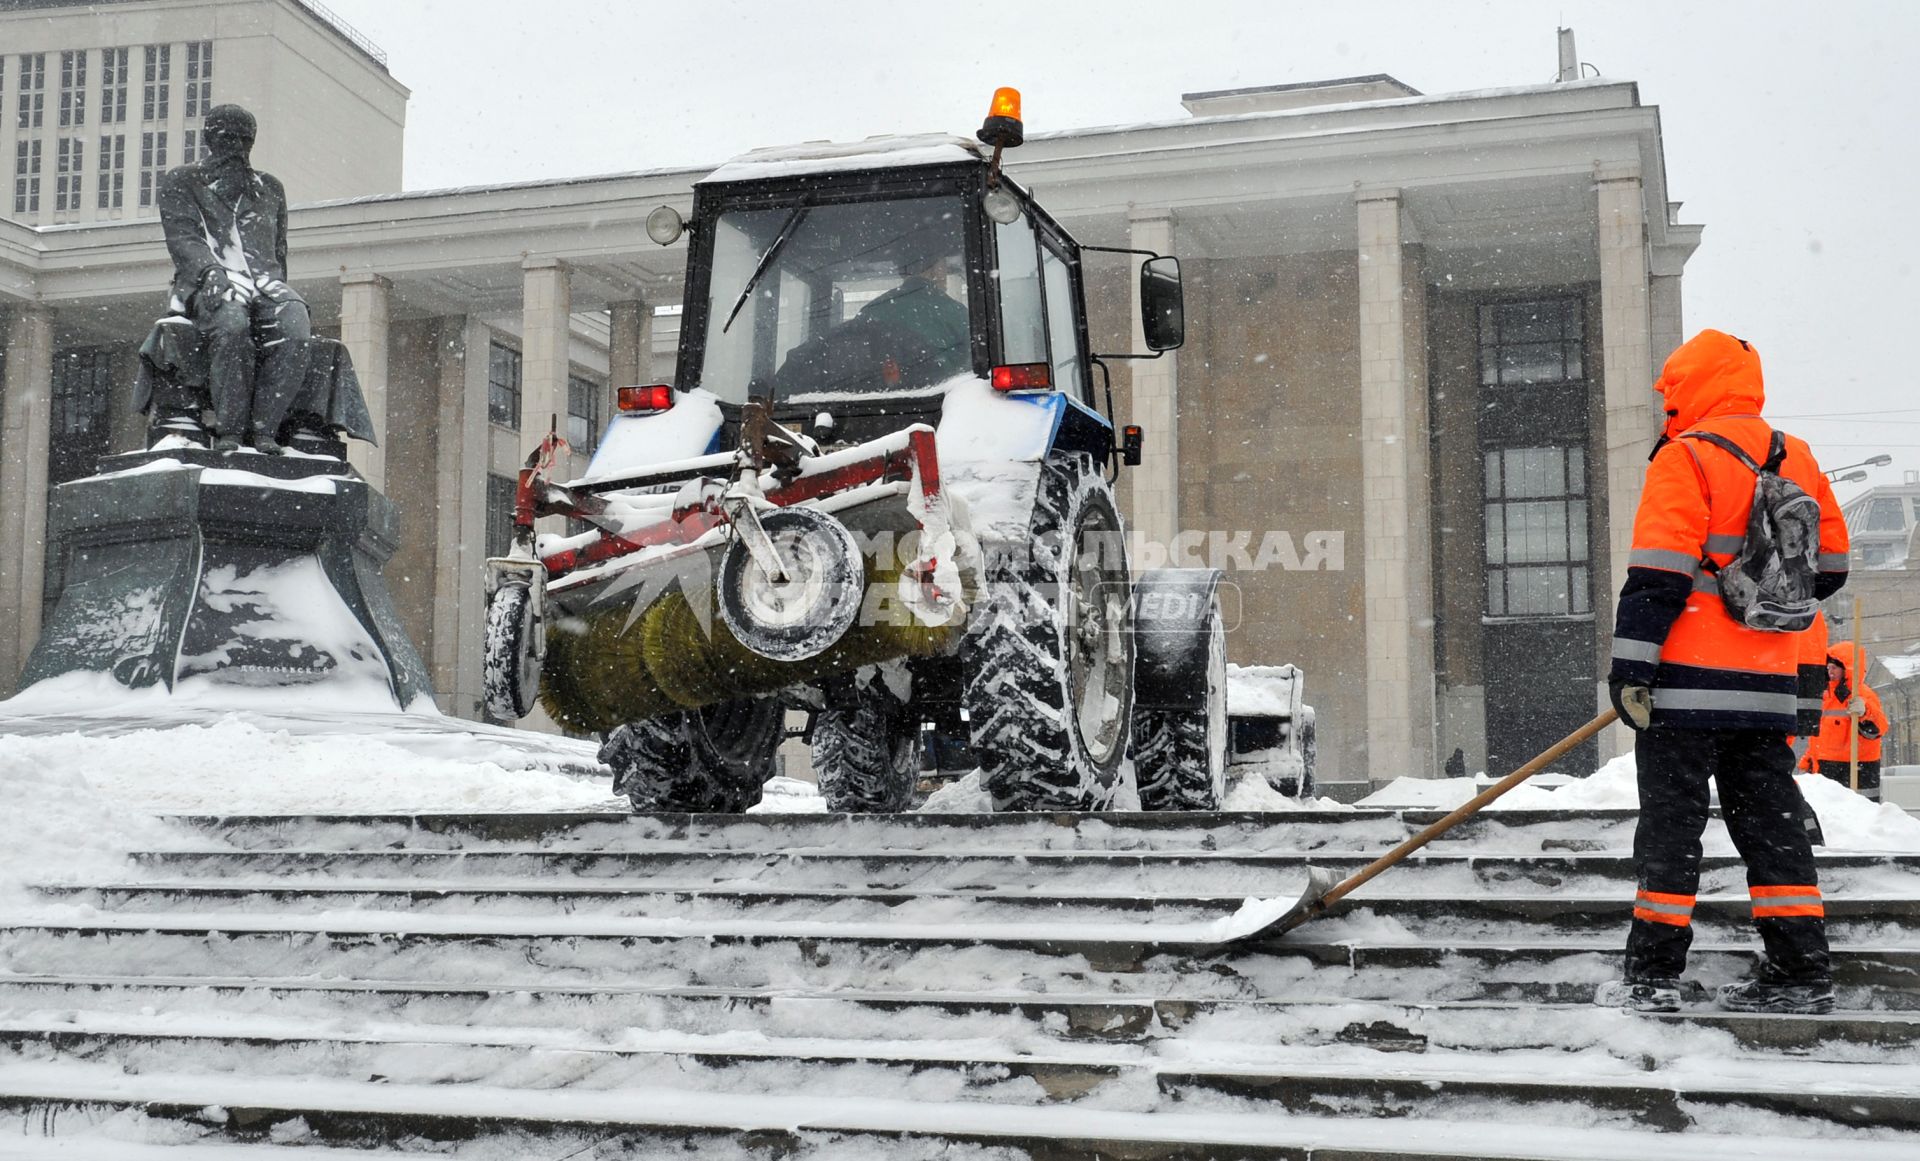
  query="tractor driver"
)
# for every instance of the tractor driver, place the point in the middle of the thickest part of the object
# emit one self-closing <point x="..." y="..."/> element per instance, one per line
<point x="921" y="307"/>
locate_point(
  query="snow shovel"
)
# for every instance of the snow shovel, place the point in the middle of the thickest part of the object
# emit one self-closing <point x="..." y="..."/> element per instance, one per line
<point x="1323" y="891"/>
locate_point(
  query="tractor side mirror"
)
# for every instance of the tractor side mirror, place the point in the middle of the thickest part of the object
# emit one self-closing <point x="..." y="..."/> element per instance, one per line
<point x="1163" y="313"/>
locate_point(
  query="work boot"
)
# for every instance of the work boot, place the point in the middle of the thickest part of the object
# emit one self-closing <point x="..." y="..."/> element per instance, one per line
<point x="1761" y="995"/>
<point x="1639" y="995"/>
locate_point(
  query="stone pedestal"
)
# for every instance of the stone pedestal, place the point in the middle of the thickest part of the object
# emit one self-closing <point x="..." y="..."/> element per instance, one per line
<point x="186" y="565"/>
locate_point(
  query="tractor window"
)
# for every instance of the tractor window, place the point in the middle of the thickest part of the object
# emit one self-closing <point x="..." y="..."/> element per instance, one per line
<point x="1023" y="334"/>
<point x="1062" y="327"/>
<point x="849" y="299"/>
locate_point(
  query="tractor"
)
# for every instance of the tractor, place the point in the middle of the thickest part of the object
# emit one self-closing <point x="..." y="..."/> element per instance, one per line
<point x="879" y="491"/>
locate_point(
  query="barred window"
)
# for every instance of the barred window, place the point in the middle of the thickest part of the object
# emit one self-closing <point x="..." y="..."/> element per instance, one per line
<point x="1524" y="343"/>
<point x="111" y="178"/>
<point x="159" y="82"/>
<point x="194" y="147"/>
<point x="586" y="413"/>
<point x="199" y="78"/>
<point x="113" y="86"/>
<point x="73" y="88"/>
<point x="33" y="90"/>
<point x="26" y="177"/>
<point x="503" y="385"/>
<point x="68" y="156"/>
<point x="153" y="165"/>
<point x="500" y="491"/>
<point x="1537" y="535"/>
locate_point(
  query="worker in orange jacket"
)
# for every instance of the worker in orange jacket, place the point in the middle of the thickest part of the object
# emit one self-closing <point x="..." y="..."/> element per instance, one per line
<point x="1712" y="699"/>
<point x="1849" y="706"/>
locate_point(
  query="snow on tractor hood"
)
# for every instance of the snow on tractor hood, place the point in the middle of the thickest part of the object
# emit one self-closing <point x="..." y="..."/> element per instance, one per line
<point x="832" y="157"/>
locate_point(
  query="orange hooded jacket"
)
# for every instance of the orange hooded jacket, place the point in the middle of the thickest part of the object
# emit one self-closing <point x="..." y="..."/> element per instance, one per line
<point x="1831" y="744"/>
<point x="1671" y="630"/>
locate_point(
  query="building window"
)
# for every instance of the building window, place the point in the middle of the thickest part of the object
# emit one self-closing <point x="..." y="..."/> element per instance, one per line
<point x="194" y="147"/>
<point x="586" y="413"/>
<point x="1537" y="535"/>
<point x="112" y="178"/>
<point x="153" y="164"/>
<point x="73" y="88"/>
<point x="113" y="86"/>
<point x="1885" y="515"/>
<point x="500" y="490"/>
<point x="33" y="90"/>
<point x="26" y="177"/>
<point x="159" y="82"/>
<point x="67" y="161"/>
<point x="1523" y="343"/>
<point x="199" y="78"/>
<point x="82" y="384"/>
<point x="503" y="385"/>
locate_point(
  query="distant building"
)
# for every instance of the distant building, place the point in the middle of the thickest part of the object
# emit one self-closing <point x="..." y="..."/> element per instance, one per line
<point x="1882" y="522"/>
<point x="98" y="98"/>
<point x="1421" y="335"/>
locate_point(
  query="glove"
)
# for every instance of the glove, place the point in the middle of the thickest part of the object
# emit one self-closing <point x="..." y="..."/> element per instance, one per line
<point x="1633" y="702"/>
<point x="1857" y="707"/>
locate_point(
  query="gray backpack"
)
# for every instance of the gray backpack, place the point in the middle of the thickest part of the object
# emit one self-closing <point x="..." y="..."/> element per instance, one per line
<point x="1768" y="585"/>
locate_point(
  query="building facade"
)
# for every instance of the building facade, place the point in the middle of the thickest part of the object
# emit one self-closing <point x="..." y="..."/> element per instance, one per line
<point x="1415" y="393"/>
<point x="97" y="100"/>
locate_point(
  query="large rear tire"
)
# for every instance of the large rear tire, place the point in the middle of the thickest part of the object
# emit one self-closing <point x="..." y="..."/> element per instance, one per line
<point x="711" y="760"/>
<point x="1180" y="756"/>
<point x="866" y="754"/>
<point x="1049" y="652"/>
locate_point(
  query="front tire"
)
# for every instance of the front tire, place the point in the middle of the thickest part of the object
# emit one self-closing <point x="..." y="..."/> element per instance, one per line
<point x="867" y="754"/>
<point x="510" y="673"/>
<point x="1049" y="655"/>
<point x="1180" y="756"/>
<point x="711" y="760"/>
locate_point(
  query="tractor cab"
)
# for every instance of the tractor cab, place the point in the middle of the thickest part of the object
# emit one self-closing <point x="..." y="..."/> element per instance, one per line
<point x="853" y="289"/>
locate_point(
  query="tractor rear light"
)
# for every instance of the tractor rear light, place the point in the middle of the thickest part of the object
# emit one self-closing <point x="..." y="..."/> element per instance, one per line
<point x="1023" y="377"/>
<point x="655" y="397"/>
<point x="1132" y="443"/>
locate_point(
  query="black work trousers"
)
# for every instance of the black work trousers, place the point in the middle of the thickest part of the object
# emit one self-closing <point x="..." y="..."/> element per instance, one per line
<point x="1762" y="808"/>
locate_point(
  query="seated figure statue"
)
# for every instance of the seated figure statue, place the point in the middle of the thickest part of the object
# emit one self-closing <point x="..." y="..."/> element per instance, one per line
<point x="237" y="340"/>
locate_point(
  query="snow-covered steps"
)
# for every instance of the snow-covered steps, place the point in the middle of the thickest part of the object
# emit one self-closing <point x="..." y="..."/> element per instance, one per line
<point x="968" y="987"/>
<point x="1523" y="830"/>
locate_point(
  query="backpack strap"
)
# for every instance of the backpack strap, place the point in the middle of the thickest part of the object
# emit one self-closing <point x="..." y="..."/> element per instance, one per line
<point x="1777" y="452"/>
<point x="1778" y="448"/>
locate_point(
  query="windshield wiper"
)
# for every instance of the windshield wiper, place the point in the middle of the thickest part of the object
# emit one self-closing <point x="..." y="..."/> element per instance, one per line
<point x="766" y="260"/>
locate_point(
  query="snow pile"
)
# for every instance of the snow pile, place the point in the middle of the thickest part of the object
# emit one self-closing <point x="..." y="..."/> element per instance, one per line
<point x="82" y="693"/>
<point x="1264" y="690"/>
<point x="978" y="423"/>
<point x="233" y="765"/>
<point x="965" y="796"/>
<point x="61" y="827"/>
<point x="782" y="795"/>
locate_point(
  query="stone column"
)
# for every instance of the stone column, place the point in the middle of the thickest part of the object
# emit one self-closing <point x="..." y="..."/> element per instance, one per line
<point x="1632" y="419"/>
<point x="460" y="542"/>
<point x="365" y="315"/>
<point x="1154" y="486"/>
<point x="629" y="343"/>
<point x="545" y="337"/>
<point x="26" y="419"/>
<point x="1388" y="422"/>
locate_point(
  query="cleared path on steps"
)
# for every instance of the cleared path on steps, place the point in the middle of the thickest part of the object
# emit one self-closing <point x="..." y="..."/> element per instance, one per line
<point x="994" y="987"/>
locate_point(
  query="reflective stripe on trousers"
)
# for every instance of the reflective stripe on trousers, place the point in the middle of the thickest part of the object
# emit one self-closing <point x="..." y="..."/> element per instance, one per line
<point x="1787" y="902"/>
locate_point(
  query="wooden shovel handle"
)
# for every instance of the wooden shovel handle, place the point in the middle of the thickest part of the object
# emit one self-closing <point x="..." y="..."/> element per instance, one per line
<point x="1471" y="807"/>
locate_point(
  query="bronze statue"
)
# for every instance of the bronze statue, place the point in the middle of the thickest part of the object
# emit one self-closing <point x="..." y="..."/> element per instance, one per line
<point x="238" y="340"/>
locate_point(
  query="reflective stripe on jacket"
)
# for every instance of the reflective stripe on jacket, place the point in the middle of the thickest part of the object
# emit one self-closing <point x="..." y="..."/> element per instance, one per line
<point x="1671" y="630"/>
